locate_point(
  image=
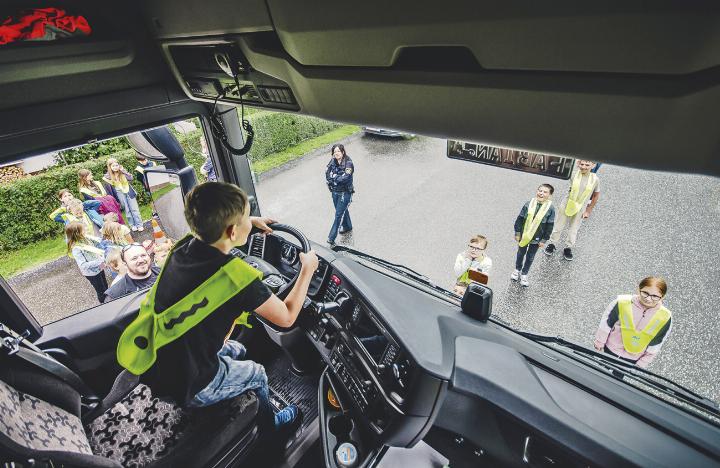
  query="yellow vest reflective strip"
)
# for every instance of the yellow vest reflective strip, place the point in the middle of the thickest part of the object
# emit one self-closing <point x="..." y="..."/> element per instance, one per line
<point x="89" y="248"/>
<point x="533" y="222"/>
<point x="141" y="169"/>
<point x="635" y="341"/>
<point x="574" y="203"/>
<point x="99" y="193"/>
<point x="138" y="345"/>
<point x="123" y="185"/>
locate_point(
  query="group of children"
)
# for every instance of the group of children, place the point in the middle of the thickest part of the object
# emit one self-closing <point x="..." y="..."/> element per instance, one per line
<point x="535" y="225"/>
<point x="95" y="230"/>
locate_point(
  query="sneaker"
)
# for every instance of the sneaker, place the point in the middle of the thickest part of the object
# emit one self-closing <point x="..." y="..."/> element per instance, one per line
<point x="567" y="253"/>
<point x="549" y="249"/>
<point x="515" y="275"/>
<point x="524" y="281"/>
<point x="133" y="228"/>
<point x="331" y="243"/>
<point x="287" y="417"/>
<point x="140" y="227"/>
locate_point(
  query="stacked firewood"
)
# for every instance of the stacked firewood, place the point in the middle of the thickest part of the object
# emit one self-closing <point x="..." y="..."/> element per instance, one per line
<point x="11" y="173"/>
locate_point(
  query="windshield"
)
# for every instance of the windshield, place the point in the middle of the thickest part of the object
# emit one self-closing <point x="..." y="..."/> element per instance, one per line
<point x="416" y="207"/>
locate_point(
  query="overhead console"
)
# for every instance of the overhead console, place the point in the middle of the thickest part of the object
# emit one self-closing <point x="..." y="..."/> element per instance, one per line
<point x="207" y="69"/>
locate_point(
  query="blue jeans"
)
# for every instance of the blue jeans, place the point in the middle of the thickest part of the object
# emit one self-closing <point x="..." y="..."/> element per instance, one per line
<point x="235" y="377"/>
<point x="524" y="257"/>
<point x="341" y="200"/>
<point x="132" y="211"/>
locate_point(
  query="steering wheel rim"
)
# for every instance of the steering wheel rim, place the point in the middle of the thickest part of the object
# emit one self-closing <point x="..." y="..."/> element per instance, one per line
<point x="270" y="272"/>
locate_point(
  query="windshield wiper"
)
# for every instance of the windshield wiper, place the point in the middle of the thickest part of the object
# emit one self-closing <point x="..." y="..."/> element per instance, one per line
<point x="397" y="268"/>
<point x="622" y="369"/>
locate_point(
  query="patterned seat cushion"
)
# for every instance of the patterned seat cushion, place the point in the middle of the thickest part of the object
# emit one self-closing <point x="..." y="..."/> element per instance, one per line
<point x="142" y="429"/>
<point x="38" y="425"/>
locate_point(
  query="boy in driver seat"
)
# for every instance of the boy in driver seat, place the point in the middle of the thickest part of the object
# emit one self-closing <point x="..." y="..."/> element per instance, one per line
<point x="178" y="341"/>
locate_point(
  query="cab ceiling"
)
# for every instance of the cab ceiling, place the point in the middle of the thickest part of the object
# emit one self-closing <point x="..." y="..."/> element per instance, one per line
<point x="632" y="82"/>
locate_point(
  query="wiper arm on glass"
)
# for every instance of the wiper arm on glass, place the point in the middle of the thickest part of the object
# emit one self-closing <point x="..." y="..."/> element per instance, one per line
<point x="621" y="369"/>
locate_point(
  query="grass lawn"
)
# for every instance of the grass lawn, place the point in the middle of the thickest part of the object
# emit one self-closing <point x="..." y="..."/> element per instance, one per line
<point x="12" y="263"/>
<point x="17" y="261"/>
<point x="274" y="160"/>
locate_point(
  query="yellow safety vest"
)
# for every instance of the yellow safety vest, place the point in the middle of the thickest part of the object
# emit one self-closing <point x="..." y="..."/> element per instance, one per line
<point x="465" y="277"/>
<point x="89" y="248"/>
<point x="533" y="222"/>
<point x="94" y="194"/>
<point x="635" y="341"/>
<point x="123" y="185"/>
<point x="141" y="169"/>
<point x="575" y="202"/>
<point x="138" y="345"/>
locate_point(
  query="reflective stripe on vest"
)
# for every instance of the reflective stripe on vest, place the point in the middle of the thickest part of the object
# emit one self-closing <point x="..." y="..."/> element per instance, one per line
<point x="574" y="203"/>
<point x="89" y="248"/>
<point x="533" y="222"/>
<point x="138" y="345"/>
<point x="95" y="194"/>
<point x="635" y="341"/>
<point x="123" y="185"/>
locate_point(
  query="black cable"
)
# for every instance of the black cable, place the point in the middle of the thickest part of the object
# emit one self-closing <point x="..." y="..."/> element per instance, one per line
<point x="217" y="127"/>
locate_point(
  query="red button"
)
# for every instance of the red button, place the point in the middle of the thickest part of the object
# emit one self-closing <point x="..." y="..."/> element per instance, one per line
<point x="335" y="280"/>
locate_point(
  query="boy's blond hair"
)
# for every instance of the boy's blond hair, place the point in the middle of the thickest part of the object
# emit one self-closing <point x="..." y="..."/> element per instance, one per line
<point x="478" y="239"/>
<point x="110" y="217"/>
<point x="213" y="206"/>
<point x="112" y="231"/>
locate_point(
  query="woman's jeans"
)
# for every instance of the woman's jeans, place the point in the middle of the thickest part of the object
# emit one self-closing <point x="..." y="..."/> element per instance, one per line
<point x="341" y="200"/>
<point x="234" y="377"/>
<point x="132" y="211"/>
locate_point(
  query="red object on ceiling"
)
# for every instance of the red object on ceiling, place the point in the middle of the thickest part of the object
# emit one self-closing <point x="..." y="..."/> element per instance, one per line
<point x="42" y="24"/>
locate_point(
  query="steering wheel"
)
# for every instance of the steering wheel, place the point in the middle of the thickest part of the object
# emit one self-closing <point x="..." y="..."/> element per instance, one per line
<point x="271" y="275"/>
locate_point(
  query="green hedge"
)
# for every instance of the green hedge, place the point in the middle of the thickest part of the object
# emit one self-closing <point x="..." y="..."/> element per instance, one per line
<point x="25" y="204"/>
<point x="276" y="131"/>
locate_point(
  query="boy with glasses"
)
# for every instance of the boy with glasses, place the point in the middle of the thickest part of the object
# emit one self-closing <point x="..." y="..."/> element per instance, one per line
<point x="473" y="258"/>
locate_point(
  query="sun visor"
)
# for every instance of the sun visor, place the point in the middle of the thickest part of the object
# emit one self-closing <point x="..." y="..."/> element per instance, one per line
<point x="564" y="36"/>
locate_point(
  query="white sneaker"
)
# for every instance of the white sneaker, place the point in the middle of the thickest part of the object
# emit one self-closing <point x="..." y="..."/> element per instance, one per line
<point x="141" y="227"/>
<point x="515" y="275"/>
<point x="524" y="281"/>
<point x="133" y="228"/>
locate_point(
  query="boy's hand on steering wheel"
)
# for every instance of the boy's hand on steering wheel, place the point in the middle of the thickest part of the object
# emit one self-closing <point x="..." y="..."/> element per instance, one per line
<point x="262" y="223"/>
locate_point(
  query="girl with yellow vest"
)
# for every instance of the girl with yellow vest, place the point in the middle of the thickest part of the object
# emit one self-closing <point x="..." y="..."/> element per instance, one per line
<point x="120" y="179"/>
<point x="88" y="255"/>
<point x="584" y="186"/>
<point x="532" y="228"/>
<point x="634" y="327"/>
<point x="91" y="189"/>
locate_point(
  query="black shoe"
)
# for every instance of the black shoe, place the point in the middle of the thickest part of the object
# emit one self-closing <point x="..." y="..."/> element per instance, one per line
<point x="345" y="231"/>
<point x="549" y="249"/>
<point x="567" y="253"/>
<point x="331" y="243"/>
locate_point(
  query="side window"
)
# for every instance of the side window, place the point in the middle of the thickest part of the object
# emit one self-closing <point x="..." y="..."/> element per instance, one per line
<point x="78" y="226"/>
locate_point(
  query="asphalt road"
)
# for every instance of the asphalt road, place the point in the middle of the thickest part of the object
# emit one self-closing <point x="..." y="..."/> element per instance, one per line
<point x="416" y="207"/>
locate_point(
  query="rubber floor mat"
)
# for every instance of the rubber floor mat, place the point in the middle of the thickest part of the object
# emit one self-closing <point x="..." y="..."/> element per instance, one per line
<point x="291" y="388"/>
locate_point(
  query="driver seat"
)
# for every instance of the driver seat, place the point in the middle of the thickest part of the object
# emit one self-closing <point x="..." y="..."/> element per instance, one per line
<point x="40" y="421"/>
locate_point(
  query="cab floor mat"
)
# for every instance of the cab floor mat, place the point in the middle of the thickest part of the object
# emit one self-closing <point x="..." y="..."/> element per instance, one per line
<point x="288" y="387"/>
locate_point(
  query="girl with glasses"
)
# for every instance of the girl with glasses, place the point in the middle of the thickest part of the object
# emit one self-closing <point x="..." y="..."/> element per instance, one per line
<point x="473" y="258"/>
<point x="634" y="327"/>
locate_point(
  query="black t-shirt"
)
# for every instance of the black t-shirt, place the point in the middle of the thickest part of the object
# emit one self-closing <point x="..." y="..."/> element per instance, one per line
<point x="188" y="364"/>
<point x="127" y="285"/>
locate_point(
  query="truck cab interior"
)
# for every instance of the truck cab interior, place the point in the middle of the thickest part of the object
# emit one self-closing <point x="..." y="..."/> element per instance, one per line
<point x="385" y="366"/>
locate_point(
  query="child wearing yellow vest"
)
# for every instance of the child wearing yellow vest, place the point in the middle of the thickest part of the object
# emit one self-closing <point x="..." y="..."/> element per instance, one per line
<point x="634" y="327"/>
<point x="473" y="258"/>
<point x="532" y="228"/>
<point x="584" y="186"/>
<point x="120" y="179"/>
<point x="89" y="256"/>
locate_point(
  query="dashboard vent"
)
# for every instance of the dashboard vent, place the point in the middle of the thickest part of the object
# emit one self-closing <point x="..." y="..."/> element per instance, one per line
<point x="257" y="245"/>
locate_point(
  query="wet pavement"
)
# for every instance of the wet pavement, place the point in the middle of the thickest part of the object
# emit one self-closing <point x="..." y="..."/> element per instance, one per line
<point x="416" y="207"/>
